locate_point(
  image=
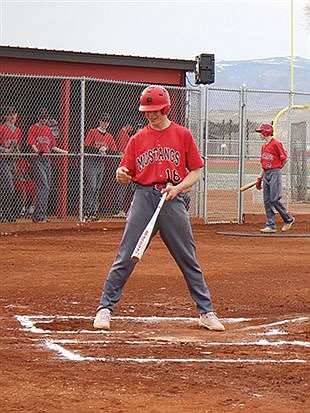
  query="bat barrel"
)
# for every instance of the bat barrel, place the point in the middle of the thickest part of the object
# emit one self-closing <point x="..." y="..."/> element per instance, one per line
<point x="247" y="186"/>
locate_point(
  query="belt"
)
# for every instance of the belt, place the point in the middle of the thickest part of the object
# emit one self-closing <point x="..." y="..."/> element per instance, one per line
<point x="159" y="186"/>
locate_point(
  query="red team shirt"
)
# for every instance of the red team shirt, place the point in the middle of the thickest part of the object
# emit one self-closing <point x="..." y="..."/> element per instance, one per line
<point x="122" y="139"/>
<point x="42" y="137"/>
<point x="23" y="181"/>
<point x="273" y="154"/>
<point x="9" y="136"/>
<point x="161" y="156"/>
<point x="97" y="139"/>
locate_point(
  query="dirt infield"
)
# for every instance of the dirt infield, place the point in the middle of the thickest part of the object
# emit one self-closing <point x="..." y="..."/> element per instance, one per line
<point x="155" y="358"/>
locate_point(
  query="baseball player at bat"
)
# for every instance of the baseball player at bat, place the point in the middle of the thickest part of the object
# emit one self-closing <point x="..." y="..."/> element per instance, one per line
<point x="162" y="152"/>
<point x="273" y="159"/>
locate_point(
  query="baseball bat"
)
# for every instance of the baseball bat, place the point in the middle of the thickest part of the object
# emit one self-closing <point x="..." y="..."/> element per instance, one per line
<point x="247" y="186"/>
<point x="147" y="232"/>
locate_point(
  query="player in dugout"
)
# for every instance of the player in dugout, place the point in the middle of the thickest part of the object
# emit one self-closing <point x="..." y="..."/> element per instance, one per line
<point x="10" y="140"/>
<point x="162" y="152"/>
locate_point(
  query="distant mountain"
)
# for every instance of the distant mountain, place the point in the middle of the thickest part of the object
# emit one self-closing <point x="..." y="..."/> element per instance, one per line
<point x="270" y="73"/>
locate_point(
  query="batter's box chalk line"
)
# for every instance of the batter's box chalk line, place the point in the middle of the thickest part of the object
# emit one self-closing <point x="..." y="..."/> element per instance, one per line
<point x="54" y="341"/>
<point x="260" y="234"/>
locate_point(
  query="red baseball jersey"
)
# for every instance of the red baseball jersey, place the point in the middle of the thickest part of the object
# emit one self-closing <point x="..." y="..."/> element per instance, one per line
<point x="9" y="135"/>
<point x="122" y="139"/>
<point x="23" y="180"/>
<point x="168" y="155"/>
<point x="42" y="137"/>
<point x="273" y="154"/>
<point x="97" y="139"/>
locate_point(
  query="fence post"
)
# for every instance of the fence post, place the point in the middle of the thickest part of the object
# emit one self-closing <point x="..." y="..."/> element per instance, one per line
<point x="205" y="131"/>
<point x="64" y="127"/>
<point x="289" y="147"/>
<point x="82" y="124"/>
<point x="241" y="155"/>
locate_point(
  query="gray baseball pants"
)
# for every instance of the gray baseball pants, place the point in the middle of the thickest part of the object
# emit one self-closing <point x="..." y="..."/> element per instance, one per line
<point x="7" y="170"/>
<point x="272" y="193"/>
<point x="42" y="176"/>
<point x="175" y="230"/>
<point x="93" y="177"/>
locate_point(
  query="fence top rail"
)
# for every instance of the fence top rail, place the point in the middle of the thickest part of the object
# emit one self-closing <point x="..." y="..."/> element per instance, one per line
<point x="94" y="79"/>
<point x="294" y="92"/>
<point x="187" y="88"/>
<point x="224" y="89"/>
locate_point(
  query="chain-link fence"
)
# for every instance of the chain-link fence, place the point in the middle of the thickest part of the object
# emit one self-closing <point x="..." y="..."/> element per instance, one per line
<point x="73" y="178"/>
<point x="233" y="149"/>
<point x="59" y="154"/>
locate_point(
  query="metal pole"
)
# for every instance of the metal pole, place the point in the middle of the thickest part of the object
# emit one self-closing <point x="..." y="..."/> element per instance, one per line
<point x="242" y="117"/>
<point x="205" y="128"/>
<point x="290" y="107"/>
<point x="82" y="134"/>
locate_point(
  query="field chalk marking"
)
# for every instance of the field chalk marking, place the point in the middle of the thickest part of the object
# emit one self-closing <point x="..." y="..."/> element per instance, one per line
<point x="28" y="323"/>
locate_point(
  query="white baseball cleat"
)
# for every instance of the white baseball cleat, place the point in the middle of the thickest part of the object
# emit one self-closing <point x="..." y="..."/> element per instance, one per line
<point x="268" y="230"/>
<point x="211" y="322"/>
<point x="102" y="319"/>
<point x="288" y="225"/>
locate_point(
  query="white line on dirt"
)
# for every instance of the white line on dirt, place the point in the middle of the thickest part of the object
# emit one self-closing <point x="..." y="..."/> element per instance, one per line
<point x="73" y="356"/>
<point x="29" y="324"/>
<point x="149" y="319"/>
<point x="70" y="355"/>
<point x="155" y="340"/>
<point x="278" y="323"/>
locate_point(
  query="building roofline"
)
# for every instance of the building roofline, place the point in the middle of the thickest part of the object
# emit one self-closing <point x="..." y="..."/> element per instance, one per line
<point x="96" y="58"/>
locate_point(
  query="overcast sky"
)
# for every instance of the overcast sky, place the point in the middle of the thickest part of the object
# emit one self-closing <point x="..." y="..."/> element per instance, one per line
<point x="232" y="30"/>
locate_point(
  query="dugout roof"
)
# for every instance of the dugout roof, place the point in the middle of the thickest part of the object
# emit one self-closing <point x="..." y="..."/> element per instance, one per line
<point x="34" y="61"/>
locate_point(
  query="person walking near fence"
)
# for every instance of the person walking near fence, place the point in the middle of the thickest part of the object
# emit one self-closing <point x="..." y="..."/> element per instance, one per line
<point x="98" y="143"/>
<point x="163" y="152"/>
<point x="273" y="159"/>
<point x="42" y="142"/>
<point x="10" y="140"/>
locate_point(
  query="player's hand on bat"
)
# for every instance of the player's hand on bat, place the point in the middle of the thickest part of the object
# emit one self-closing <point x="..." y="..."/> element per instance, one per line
<point x="259" y="183"/>
<point x="122" y="175"/>
<point x="191" y="179"/>
<point x="172" y="191"/>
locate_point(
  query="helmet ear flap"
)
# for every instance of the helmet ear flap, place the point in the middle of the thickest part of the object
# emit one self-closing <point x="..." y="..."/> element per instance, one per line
<point x="165" y="110"/>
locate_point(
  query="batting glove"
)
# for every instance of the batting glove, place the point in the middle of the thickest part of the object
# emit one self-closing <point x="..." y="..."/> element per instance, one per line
<point x="259" y="183"/>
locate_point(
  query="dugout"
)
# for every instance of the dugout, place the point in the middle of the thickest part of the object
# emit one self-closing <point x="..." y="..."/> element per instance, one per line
<point x="47" y="67"/>
<point x="76" y="88"/>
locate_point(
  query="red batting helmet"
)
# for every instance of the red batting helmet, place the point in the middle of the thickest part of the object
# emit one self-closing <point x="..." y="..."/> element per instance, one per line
<point x="266" y="129"/>
<point x="155" y="98"/>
